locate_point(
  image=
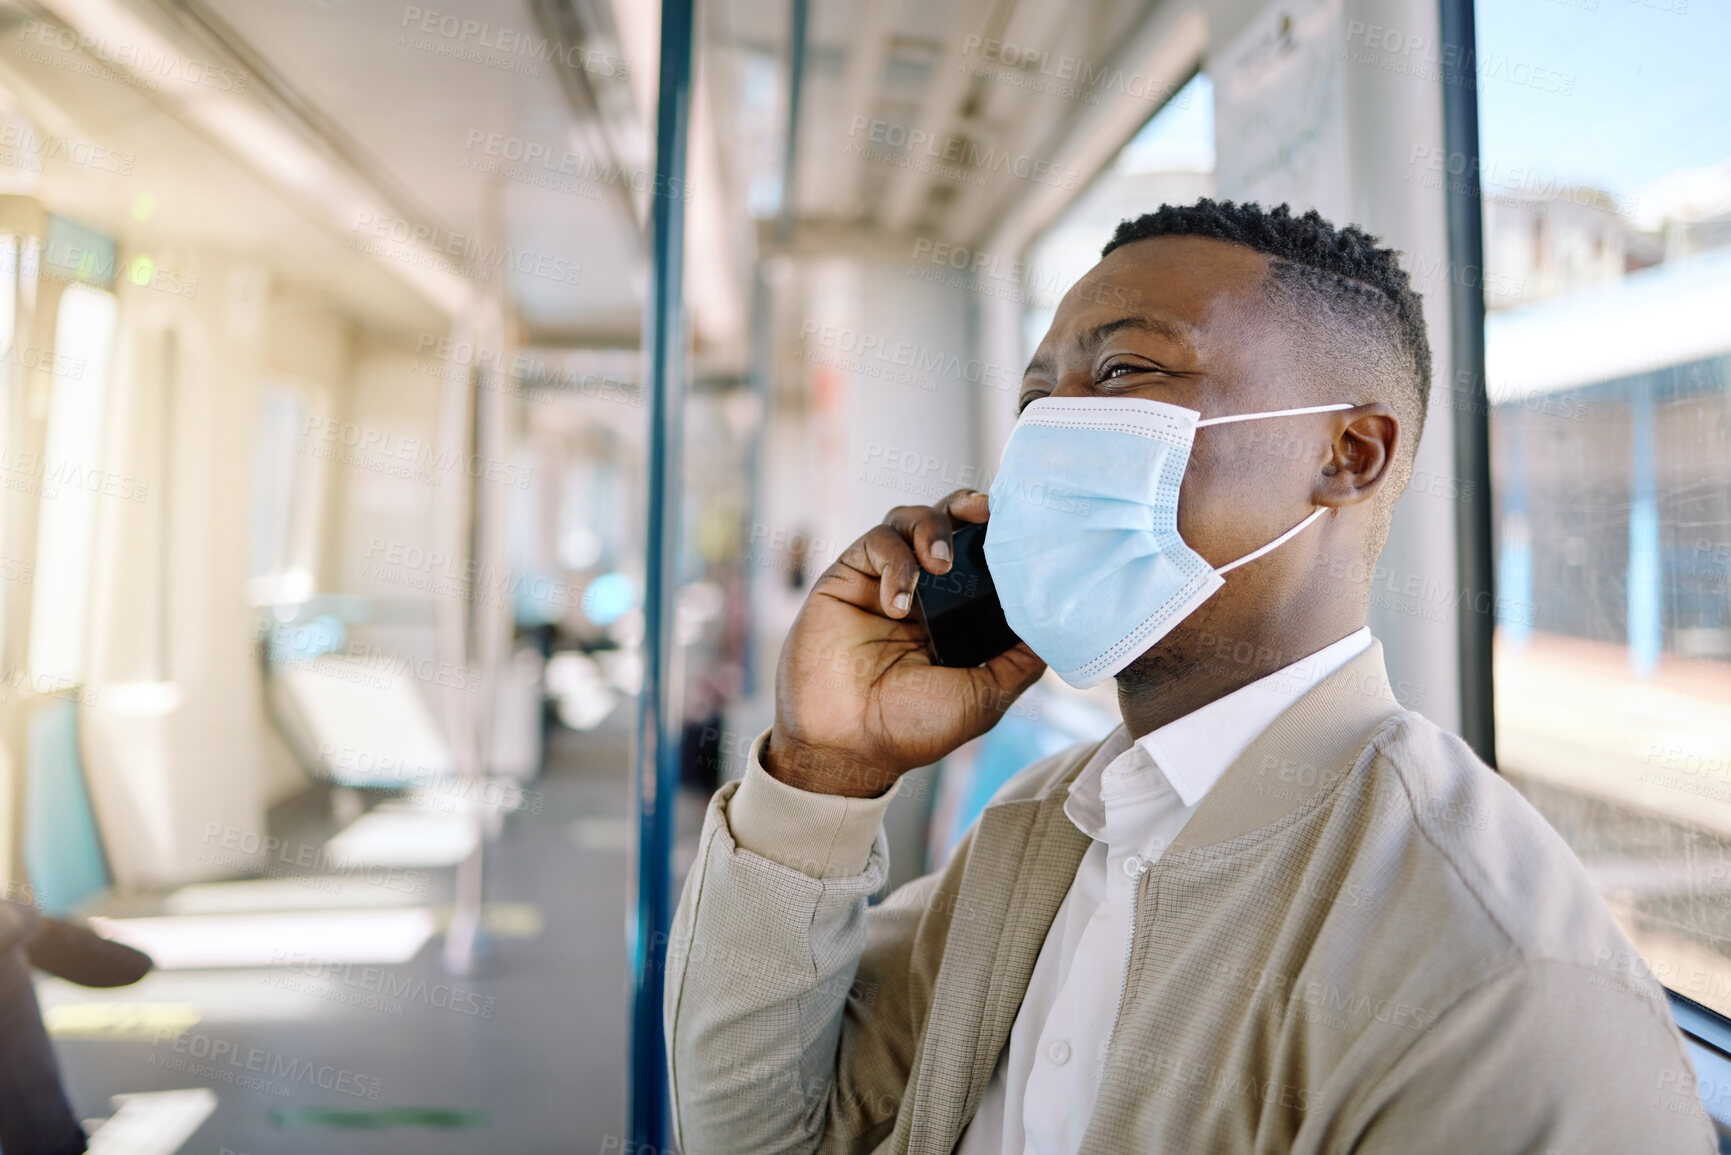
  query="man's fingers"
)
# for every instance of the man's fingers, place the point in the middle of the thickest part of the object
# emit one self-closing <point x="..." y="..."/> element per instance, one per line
<point x="995" y="686"/>
<point x="1014" y="670"/>
<point x="966" y="505"/>
<point x="928" y="526"/>
<point x="928" y="529"/>
<point x="877" y="572"/>
<point x="880" y="569"/>
<point x="897" y="570"/>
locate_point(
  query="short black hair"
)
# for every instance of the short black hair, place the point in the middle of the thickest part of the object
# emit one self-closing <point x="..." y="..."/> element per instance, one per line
<point x="1341" y="276"/>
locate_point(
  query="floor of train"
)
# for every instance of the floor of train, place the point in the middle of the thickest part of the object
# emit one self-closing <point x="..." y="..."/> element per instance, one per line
<point x="529" y="1057"/>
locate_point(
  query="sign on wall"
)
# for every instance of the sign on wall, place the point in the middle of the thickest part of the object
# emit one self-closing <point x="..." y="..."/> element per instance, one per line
<point x="1280" y="116"/>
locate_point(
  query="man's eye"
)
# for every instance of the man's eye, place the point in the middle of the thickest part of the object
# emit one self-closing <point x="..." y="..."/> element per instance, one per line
<point x="1114" y="369"/>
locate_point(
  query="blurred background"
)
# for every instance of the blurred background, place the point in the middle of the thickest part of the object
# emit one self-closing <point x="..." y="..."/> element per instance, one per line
<point x="327" y="439"/>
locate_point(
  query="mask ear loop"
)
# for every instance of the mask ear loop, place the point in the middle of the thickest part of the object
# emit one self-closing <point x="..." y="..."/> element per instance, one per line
<point x="1279" y="541"/>
<point x="1316" y="513"/>
<point x="1276" y="413"/>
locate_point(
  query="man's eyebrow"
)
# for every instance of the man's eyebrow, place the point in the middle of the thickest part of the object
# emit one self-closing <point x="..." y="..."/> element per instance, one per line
<point x="1091" y="340"/>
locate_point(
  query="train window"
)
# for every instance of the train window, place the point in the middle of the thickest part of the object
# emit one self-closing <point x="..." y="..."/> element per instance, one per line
<point x="11" y="357"/>
<point x="1169" y="161"/>
<point x="142" y="530"/>
<point x="8" y="294"/>
<point x="278" y="576"/>
<point x="72" y="483"/>
<point x="1607" y="214"/>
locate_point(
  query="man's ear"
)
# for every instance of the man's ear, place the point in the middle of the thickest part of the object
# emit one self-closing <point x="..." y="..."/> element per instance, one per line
<point x="1361" y="456"/>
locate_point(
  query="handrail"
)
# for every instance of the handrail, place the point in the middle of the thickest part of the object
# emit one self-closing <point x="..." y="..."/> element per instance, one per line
<point x="656" y="749"/>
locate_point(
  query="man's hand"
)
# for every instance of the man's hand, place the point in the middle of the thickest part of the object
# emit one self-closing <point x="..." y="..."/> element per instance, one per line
<point x="858" y="700"/>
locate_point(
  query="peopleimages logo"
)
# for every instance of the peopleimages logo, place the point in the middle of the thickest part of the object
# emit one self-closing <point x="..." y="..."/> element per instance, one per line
<point x="236" y="846"/>
<point x="476" y="256"/>
<point x="534" y="156"/>
<point x="1089" y="79"/>
<point x="369" y="447"/>
<point x="393" y="988"/>
<point x="457" y="31"/>
<point x="151" y="64"/>
<point x="34" y="473"/>
<point x="31" y="149"/>
<point x="865" y="348"/>
<point x="256" y="1068"/>
<point x="964" y="152"/>
<point x="535" y="375"/>
<point x="1421" y="55"/>
<point x="439" y="573"/>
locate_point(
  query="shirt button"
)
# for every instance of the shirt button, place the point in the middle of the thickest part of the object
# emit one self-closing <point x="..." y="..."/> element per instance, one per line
<point x="1133" y="866"/>
<point x="1059" y="1053"/>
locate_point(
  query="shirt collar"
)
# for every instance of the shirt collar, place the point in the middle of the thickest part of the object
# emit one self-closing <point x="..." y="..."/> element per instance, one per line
<point x="1193" y="751"/>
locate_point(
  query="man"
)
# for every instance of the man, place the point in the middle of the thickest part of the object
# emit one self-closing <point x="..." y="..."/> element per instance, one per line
<point x="1274" y="911"/>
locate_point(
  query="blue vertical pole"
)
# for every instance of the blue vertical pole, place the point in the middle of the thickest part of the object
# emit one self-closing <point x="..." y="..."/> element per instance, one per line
<point x="656" y="750"/>
<point x="1514" y="603"/>
<point x="1646" y="605"/>
<point x="788" y="211"/>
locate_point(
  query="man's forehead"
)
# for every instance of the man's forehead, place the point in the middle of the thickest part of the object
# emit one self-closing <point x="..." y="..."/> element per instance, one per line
<point x="1179" y="282"/>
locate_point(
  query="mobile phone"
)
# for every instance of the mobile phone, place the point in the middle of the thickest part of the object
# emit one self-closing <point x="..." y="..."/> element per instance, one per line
<point x="963" y="620"/>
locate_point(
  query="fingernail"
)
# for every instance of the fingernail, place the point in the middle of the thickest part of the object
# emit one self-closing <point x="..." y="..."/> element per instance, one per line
<point x="903" y="601"/>
<point x="941" y="550"/>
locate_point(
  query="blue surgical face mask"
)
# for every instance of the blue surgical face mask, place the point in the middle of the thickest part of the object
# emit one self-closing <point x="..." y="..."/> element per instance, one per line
<point x="1083" y="541"/>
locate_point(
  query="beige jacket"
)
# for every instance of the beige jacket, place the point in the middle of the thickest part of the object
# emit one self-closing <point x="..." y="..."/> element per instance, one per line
<point x="1363" y="941"/>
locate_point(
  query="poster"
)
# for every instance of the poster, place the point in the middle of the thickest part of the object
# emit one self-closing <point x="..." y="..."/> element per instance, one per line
<point x="1280" y="110"/>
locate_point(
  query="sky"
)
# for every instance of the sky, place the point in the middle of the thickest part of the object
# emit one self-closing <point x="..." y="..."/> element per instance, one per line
<point x="1651" y="92"/>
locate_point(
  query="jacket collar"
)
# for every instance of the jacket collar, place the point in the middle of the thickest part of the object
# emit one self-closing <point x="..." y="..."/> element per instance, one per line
<point x="1301" y="754"/>
<point x="1297" y="758"/>
<point x="1194" y="752"/>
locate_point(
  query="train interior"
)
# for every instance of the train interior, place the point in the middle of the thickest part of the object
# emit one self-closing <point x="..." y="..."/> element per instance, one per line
<point x="327" y="430"/>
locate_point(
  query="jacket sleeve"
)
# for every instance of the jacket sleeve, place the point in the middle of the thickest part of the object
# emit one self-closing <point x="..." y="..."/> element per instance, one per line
<point x="1545" y="1057"/>
<point x="789" y="1025"/>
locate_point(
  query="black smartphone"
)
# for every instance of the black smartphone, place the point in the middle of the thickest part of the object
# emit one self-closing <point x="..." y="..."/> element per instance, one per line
<point x="963" y="620"/>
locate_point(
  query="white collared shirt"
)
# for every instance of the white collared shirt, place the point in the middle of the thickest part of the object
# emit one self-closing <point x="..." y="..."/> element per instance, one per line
<point x="1132" y="799"/>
